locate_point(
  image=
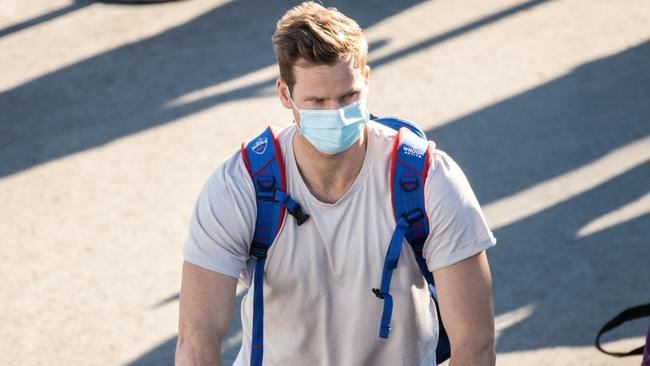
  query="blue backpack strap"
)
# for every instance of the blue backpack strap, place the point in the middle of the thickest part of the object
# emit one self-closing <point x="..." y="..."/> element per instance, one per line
<point x="409" y="168"/>
<point x="263" y="159"/>
<point x="396" y="123"/>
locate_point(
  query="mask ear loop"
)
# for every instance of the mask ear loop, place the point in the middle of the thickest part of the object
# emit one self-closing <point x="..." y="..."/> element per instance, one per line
<point x="295" y="106"/>
<point x="362" y="104"/>
<point x="291" y="98"/>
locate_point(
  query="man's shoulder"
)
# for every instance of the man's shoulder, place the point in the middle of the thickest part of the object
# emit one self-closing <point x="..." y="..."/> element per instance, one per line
<point x="396" y="123"/>
<point x="381" y="134"/>
<point x="384" y="139"/>
<point x="381" y="129"/>
<point x="282" y="135"/>
<point x="230" y="173"/>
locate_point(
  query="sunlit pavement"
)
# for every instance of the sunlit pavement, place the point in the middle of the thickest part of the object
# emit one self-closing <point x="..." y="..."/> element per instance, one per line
<point x="112" y="116"/>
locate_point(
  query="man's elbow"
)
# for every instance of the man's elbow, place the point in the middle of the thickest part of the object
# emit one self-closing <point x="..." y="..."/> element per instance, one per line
<point x="195" y="350"/>
<point x="484" y="351"/>
<point x="474" y="350"/>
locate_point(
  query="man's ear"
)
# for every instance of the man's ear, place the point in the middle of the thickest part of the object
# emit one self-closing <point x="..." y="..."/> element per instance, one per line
<point x="283" y="93"/>
<point x="366" y="74"/>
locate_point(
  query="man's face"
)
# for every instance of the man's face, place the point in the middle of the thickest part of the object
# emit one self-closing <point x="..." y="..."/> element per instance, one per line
<point x="325" y="86"/>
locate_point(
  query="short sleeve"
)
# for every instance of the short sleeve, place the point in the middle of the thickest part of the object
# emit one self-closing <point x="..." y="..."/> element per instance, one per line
<point x="222" y="223"/>
<point x="458" y="229"/>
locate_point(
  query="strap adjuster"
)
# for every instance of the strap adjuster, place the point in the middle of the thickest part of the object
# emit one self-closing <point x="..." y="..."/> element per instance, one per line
<point x="266" y="188"/>
<point x="409" y="183"/>
<point x="258" y="250"/>
<point x="266" y="195"/>
<point x="266" y="183"/>
<point x="377" y="293"/>
<point x="292" y="206"/>
<point x="413" y="216"/>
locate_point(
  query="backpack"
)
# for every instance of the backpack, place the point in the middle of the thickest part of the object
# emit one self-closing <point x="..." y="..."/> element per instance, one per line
<point x="632" y="313"/>
<point x="409" y="167"/>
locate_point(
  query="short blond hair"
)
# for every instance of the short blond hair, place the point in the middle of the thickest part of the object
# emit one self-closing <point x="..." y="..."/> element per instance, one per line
<point x="320" y="36"/>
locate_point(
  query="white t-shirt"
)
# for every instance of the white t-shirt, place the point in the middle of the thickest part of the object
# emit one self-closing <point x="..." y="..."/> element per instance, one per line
<point x="318" y="304"/>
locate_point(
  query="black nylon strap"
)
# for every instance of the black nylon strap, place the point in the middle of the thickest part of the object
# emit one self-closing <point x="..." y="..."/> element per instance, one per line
<point x="626" y="315"/>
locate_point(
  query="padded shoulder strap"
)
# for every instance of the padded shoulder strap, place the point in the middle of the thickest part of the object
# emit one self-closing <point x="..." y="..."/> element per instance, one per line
<point x="263" y="160"/>
<point x="409" y="168"/>
<point x="397" y="123"/>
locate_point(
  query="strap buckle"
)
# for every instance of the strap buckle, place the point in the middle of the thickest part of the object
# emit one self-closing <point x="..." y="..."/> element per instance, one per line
<point x="413" y="216"/>
<point x="258" y="250"/>
<point x="266" y="183"/>
<point x="266" y="188"/>
<point x="300" y="216"/>
<point x="378" y="293"/>
<point x="291" y="205"/>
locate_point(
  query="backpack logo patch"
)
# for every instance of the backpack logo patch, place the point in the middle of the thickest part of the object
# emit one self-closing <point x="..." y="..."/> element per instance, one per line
<point x="409" y="151"/>
<point x="259" y="147"/>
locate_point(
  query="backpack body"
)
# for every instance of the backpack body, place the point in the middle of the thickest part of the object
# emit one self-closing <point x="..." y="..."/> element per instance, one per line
<point x="409" y="166"/>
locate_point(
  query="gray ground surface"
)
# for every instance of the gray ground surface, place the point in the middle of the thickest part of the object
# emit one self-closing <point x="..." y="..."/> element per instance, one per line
<point x="111" y="118"/>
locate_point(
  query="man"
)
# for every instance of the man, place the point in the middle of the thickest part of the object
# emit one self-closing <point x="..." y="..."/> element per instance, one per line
<point x="318" y="308"/>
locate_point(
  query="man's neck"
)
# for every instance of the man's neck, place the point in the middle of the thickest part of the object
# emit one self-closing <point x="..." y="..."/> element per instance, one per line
<point x="329" y="177"/>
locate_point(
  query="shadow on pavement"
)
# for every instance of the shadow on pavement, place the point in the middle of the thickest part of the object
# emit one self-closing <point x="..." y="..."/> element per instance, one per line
<point x="457" y="32"/>
<point x="126" y="90"/>
<point x="163" y="354"/>
<point x="74" y="6"/>
<point x="574" y="284"/>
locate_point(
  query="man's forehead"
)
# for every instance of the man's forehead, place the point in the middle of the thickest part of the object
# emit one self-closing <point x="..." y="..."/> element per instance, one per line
<point x="340" y="75"/>
<point x="348" y="60"/>
<point x="338" y="68"/>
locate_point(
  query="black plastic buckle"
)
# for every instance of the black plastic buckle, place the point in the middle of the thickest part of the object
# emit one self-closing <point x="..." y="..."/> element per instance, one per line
<point x="300" y="216"/>
<point x="258" y="250"/>
<point x="413" y="216"/>
<point x="409" y="184"/>
<point x="377" y="293"/>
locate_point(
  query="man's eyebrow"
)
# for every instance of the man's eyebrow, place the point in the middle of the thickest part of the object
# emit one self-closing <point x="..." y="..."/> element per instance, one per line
<point x="313" y="97"/>
<point x="351" y="91"/>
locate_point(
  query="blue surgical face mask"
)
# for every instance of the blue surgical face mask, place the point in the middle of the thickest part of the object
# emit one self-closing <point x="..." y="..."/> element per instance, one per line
<point x="333" y="130"/>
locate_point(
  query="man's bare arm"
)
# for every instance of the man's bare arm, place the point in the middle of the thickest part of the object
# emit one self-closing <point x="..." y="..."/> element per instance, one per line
<point x="465" y="297"/>
<point x="206" y="304"/>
